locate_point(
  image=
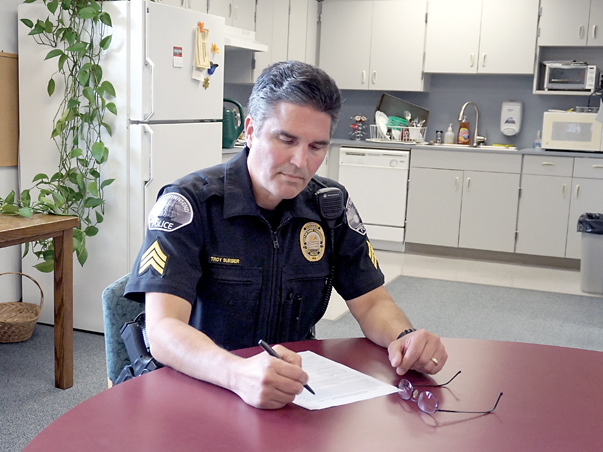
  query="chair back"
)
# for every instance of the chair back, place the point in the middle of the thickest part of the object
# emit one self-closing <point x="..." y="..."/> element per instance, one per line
<point x="117" y="310"/>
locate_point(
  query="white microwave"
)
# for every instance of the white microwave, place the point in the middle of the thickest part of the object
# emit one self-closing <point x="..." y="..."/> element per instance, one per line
<point x="571" y="131"/>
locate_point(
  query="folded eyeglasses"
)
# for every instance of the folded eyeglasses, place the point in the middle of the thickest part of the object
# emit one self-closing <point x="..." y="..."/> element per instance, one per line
<point x="428" y="403"/>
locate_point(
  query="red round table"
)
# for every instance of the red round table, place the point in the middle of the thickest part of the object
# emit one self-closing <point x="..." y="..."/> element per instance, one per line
<point x="553" y="401"/>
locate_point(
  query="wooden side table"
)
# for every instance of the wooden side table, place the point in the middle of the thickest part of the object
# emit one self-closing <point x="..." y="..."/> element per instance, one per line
<point x="17" y="230"/>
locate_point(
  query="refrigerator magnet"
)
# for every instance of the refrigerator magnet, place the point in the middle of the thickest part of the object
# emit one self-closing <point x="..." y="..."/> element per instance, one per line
<point x="178" y="60"/>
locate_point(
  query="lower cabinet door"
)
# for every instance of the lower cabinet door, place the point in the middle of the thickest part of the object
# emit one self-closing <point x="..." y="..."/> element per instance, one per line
<point x="434" y="206"/>
<point x="587" y="196"/>
<point x="489" y="211"/>
<point x="543" y="215"/>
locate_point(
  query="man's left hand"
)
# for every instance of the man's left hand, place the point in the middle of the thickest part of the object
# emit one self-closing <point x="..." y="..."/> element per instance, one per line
<point x="420" y="350"/>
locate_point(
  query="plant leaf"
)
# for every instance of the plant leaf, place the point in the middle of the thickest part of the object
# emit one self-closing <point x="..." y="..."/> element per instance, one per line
<point x="9" y="209"/>
<point x="25" y="212"/>
<point x="39" y="176"/>
<point x="89" y="94"/>
<point x="112" y="108"/>
<point x="107" y="128"/>
<point x="91" y="231"/>
<point x="82" y="256"/>
<point x="10" y="198"/>
<point x="93" y="202"/>
<point x="46" y="266"/>
<point x="87" y="13"/>
<point x="98" y="151"/>
<point x="108" y="87"/>
<point x="52" y="6"/>
<point x="105" y="18"/>
<point x="99" y="217"/>
<point x="106" y="182"/>
<point x="28" y="23"/>
<point x="93" y="189"/>
<point x="50" y="88"/>
<point x="105" y="42"/>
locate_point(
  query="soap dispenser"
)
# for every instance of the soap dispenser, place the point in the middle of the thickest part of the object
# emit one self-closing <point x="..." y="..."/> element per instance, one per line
<point x="449" y="136"/>
<point x="463" y="135"/>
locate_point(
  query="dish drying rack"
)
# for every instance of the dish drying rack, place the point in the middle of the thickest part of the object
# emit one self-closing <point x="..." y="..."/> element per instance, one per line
<point x="397" y="134"/>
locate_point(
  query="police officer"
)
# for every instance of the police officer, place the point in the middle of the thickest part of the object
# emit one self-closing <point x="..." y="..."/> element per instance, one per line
<point x="241" y="252"/>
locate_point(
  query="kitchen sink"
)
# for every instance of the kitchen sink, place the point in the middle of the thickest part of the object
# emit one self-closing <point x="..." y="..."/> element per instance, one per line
<point x="481" y="147"/>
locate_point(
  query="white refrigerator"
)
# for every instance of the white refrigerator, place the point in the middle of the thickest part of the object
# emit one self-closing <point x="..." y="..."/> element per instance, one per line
<point x="168" y="125"/>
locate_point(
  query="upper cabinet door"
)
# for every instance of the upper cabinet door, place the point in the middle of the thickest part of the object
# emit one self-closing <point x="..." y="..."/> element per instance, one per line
<point x="452" y="42"/>
<point x="238" y="13"/>
<point x="595" y="24"/>
<point x="345" y="43"/>
<point x="564" y="23"/>
<point x="396" y="61"/>
<point x="508" y="37"/>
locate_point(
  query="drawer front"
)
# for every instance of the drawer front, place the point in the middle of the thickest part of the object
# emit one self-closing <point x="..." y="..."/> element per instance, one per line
<point x="548" y="165"/>
<point x="466" y="161"/>
<point x="588" y="168"/>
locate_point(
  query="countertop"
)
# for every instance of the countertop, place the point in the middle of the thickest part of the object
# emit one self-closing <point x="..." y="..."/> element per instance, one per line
<point x="410" y="146"/>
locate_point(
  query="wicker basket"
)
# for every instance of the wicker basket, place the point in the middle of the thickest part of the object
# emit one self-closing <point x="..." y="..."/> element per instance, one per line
<point x="17" y="319"/>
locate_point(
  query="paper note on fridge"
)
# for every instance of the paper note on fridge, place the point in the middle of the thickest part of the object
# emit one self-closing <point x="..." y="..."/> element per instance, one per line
<point x="336" y="384"/>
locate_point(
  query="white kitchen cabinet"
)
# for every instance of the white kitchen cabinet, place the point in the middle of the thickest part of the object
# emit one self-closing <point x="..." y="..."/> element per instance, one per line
<point x="587" y="196"/>
<point x="546" y="185"/>
<point x="489" y="211"/>
<point x="374" y="44"/>
<point x="238" y="13"/>
<point x="303" y="29"/>
<point x="463" y="199"/>
<point x="575" y="23"/>
<point x="434" y="206"/>
<point x="481" y="36"/>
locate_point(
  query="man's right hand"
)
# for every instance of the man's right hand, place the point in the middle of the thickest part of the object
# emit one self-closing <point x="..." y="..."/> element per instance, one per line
<point x="264" y="381"/>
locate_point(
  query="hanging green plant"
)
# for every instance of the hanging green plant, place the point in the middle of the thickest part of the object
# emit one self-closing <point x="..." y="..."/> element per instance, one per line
<point x="76" y="32"/>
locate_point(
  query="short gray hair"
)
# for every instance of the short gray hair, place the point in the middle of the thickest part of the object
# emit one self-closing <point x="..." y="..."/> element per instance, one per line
<point x="298" y="83"/>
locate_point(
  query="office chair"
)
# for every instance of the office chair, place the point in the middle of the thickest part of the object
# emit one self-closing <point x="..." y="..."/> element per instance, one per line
<point x="117" y="310"/>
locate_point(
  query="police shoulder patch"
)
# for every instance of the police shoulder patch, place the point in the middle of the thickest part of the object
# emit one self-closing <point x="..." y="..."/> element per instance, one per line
<point x="312" y="241"/>
<point x="172" y="211"/>
<point x="154" y="257"/>
<point x="353" y="217"/>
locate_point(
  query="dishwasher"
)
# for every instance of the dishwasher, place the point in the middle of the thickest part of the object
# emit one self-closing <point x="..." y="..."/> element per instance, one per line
<point x="377" y="180"/>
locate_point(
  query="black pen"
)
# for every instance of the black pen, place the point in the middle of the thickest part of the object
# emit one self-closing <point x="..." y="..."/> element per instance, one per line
<point x="271" y="352"/>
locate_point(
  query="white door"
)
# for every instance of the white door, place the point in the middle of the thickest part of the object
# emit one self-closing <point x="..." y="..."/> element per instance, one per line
<point x="453" y="31"/>
<point x="564" y="23"/>
<point x="508" y="37"/>
<point x="543" y="215"/>
<point x="168" y="90"/>
<point x="434" y="206"/>
<point x="489" y="211"/>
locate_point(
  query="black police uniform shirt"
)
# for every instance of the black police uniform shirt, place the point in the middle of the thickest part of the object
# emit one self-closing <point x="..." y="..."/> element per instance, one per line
<point x="208" y="242"/>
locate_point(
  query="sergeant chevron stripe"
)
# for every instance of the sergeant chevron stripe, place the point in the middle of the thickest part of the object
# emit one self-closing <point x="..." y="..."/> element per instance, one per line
<point x="155" y="258"/>
<point x="371" y="253"/>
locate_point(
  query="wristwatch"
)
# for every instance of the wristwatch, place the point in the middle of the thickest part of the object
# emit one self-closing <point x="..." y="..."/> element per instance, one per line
<point x="405" y="332"/>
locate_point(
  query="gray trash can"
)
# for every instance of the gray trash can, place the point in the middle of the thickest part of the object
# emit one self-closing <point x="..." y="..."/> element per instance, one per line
<point x="591" y="264"/>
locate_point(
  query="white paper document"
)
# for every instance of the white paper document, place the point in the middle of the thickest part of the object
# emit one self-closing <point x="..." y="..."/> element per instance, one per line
<point x="336" y="384"/>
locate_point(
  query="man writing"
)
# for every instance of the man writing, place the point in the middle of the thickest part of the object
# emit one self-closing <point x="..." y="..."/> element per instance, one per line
<point x="240" y="252"/>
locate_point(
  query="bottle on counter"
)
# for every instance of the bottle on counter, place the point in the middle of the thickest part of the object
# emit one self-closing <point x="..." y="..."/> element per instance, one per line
<point x="449" y="136"/>
<point x="463" y="134"/>
<point x="438" y="137"/>
<point x="538" y="142"/>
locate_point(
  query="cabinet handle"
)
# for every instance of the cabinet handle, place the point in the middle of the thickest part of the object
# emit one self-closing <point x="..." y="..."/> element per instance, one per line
<point x="597" y="166"/>
<point x="484" y="60"/>
<point x="594" y="32"/>
<point x="230" y="10"/>
<point x="363" y="77"/>
<point x="374" y="77"/>
<point x="581" y="32"/>
<point x="564" y="191"/>
<point x="471" y="60"/>
<point x="456" y="183"/>
<point x="548" y="164"/>
<point x="468" y="183"/>
<point x="577" y="190"/>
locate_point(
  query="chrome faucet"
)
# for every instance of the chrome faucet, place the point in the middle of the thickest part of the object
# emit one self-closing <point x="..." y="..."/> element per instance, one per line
<point x="477" y="139"/>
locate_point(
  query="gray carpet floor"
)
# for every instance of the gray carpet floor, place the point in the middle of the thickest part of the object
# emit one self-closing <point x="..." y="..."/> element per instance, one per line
<point x="465" y="310"/>
<point x="29" y="401"/>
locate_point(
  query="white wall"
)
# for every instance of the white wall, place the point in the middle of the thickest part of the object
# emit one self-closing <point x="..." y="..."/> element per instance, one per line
<point x="9" y="257"/>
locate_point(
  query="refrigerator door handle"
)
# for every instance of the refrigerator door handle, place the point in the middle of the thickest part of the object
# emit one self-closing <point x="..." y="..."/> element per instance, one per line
<point x="150" y="63"/>
<point x="148" y="177"/>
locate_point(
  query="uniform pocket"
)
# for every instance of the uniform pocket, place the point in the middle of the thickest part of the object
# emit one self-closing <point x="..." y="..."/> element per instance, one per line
<point x="302" y="294"/>
<point x="230" y="298"/>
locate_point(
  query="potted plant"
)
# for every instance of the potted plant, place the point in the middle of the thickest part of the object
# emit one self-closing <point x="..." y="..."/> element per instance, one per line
<point x="76" y="33"/>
